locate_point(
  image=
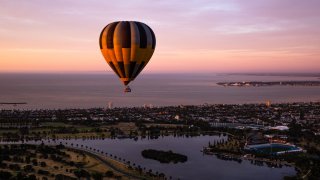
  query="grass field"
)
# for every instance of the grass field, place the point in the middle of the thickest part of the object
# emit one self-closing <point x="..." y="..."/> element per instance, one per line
<point x="53" y="167"/>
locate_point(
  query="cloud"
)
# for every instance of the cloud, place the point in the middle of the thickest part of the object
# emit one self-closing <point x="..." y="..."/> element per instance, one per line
<point x="40" y="50"/>
<point x="246" y="29"/>
<point x="18" y="20"/>
<point x="196" y="30"/>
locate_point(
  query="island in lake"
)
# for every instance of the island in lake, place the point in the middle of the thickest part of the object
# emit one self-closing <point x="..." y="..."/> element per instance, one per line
<point x="271" y="83"/>
<point x="164" y="156"/>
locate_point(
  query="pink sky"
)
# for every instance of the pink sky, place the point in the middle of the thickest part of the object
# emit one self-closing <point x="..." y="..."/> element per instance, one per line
<point x="192" y="36"/>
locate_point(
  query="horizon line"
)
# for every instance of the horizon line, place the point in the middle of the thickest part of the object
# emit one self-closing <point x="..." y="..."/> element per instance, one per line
<point x="158" y="72"/>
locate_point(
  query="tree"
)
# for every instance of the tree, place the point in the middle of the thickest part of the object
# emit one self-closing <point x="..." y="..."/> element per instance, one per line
<point x="5" y="175"/>
<point x="35" y="162"/>
<point x="32" y="177"/>
<point x="295" y="129"/>
<point x="109" y="173"/>
<point x="27" y="159"/>
<point x="97" y="176"/>
<point x="28" y="168"/>
<point x="24" y="130"/>
<point x="77" y="173"/>
<point x="20" y="175"/>
<point x="43" y="164"/>
<point x="63" y="177"/>
<point x="81" y="173"/>
<point x="15" y="167"/>
<point x="43" y="172"/>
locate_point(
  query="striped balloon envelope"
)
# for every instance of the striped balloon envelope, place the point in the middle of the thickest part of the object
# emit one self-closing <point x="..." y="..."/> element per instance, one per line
<point x="127" y="47"/>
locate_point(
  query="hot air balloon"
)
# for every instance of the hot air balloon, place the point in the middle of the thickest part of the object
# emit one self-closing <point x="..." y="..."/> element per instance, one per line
<point x="127" y="46"/>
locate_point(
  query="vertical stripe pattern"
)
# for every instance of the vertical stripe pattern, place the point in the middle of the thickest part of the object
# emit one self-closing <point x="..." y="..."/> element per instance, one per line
<point x="127" y="47"/>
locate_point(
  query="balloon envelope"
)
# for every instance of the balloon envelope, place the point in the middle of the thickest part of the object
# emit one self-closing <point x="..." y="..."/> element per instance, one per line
<point x="127" y="47"/>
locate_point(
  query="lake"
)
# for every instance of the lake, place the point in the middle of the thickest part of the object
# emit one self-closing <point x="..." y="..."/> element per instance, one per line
<point x="198" y="166"/>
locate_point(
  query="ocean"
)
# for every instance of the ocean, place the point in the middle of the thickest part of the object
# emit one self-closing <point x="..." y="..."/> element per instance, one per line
<point x="90" y="90"/>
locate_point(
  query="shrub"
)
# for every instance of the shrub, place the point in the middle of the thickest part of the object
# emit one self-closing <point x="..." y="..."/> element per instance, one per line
<point x="5" y="175"/>
<point x="97" y="176"/>
<point x="43" y="164"/>
<point x="43" y="172"/>
<point x="28" y="168"/>
<point x="109" y="173"/>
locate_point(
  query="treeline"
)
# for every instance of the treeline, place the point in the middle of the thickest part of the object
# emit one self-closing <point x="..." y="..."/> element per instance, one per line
<point x="27" y="162"/>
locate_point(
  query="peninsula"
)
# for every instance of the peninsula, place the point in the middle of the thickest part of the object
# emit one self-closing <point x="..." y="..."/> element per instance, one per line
<point x="270" y="83"/>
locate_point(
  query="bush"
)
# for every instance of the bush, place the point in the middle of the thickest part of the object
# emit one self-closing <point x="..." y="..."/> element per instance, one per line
<point x="28" y="168"/>
<point x="109" y="174"/>
<point x="27" y="160"/>
<point x="35" y="162"/>
<point x="43" y="164"/>
<point x="32" y="177"/>
<point x="97" y="176"/>
<point x="81" y="173"/>
<point x="15" y="167"/>
<point x="5" y="175"/>
<point x="21" y="175"/>
<point x="3" y="165"/>
<point x="64" y="177"/>
<point x="43" y="172"/>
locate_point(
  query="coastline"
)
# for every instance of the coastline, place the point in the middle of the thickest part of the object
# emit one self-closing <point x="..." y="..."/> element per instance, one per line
<point x="268" y="83"/>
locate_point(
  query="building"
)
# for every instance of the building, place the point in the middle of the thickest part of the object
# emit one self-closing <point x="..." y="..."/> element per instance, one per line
<point x="268" y="103"/>
<point x="110" y="105"/>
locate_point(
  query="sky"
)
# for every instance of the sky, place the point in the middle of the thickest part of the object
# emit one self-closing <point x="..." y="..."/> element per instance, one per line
<point x="193" y="36"/>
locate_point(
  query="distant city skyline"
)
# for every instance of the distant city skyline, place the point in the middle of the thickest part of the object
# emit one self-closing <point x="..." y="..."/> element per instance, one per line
<point x="196" y="36"/>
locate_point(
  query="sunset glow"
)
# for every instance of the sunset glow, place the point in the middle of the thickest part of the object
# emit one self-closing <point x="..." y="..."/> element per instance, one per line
<point x="192" y="36"/>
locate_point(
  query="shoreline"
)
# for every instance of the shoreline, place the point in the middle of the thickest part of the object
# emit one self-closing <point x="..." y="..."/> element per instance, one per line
<point x="103" y="158"/>
<point x="258" y="103"/>
<point x="269" y="83"/>
<point x="249" y="158"/>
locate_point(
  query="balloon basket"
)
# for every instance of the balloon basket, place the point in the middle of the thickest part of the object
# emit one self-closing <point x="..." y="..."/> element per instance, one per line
<point x="127" y="89"/>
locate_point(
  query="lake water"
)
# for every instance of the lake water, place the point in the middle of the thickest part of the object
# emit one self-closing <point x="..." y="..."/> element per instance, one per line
<point x="198" y="166"/>
<point x="96" y="90"/>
